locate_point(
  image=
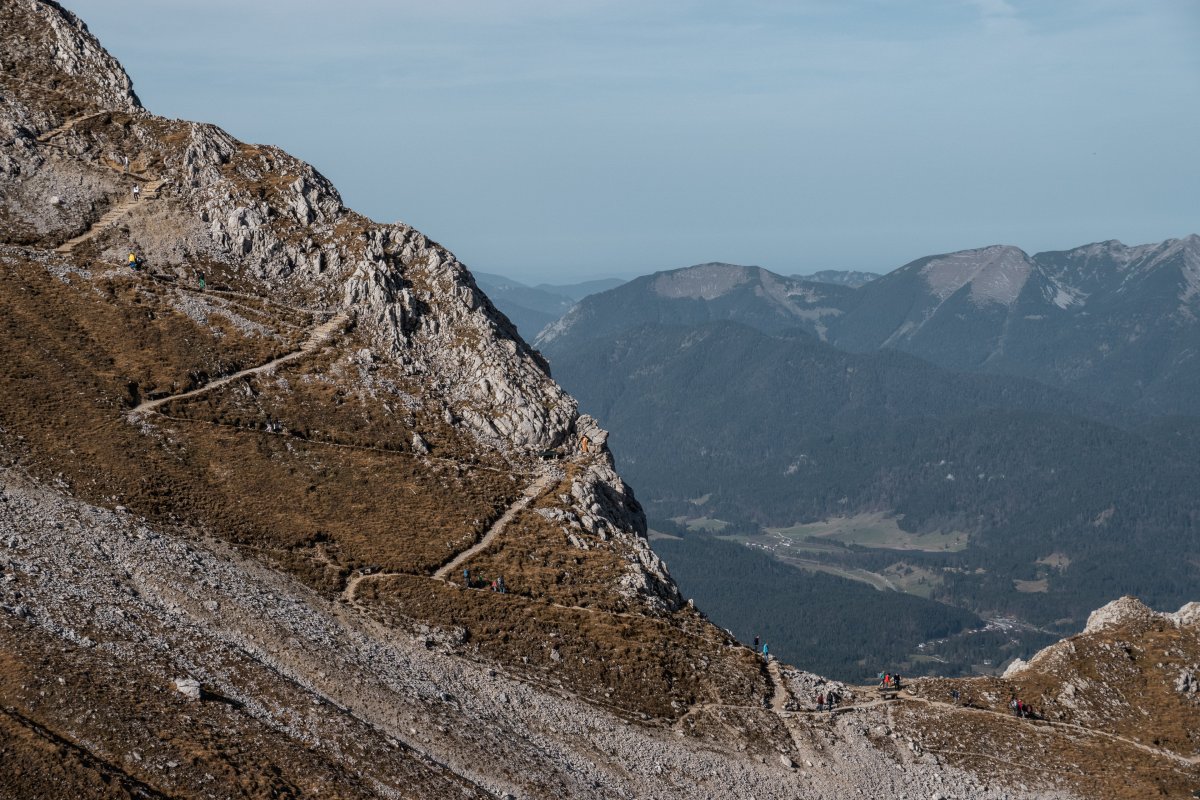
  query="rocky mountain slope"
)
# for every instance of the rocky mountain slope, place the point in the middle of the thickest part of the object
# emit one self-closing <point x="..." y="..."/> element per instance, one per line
<point x="235" y="516"/>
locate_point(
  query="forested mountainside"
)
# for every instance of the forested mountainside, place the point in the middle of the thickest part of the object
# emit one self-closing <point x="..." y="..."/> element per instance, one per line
<point x="776" y="430"/>
<point x="841" y="277"/>
<point x="256" y="487"/>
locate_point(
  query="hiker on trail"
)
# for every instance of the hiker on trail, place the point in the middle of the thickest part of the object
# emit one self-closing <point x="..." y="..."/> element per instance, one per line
<point x="820" y="702"/>
<point x="766" y="657"/>
<point x="896" y="681"/>
<point x="831" y="700"/>
<point x="134" y="262"/>
<point x="954" y="696"/>
<point x="200" y="278"/>
<point x="500" y="587"/>
<point x="1013" y="705"/>
<point x="137" y="192"/>
<point x="467" y="577"/>
<point x="756" y="643"/>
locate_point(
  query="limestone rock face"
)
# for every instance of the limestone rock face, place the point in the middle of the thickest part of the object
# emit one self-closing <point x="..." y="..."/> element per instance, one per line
<point x="66" y="53"/>
<point x="420" y="307"/>
<point x="1188" y="616"/>
<point x="606" y="508"/>
<point x="1118" y="612"/>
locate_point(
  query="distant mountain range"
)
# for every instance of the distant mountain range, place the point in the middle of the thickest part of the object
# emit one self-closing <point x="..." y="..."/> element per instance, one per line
<point x="742" y="402"/>
<point x="532" y="308"/>
<point x="1118" y="323"/>
<point x="706" y="293"/>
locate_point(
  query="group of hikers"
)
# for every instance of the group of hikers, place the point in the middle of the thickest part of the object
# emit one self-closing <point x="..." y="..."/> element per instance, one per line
<point x="889" y="681"/>
<point x="828" y="701"/>
<point x="762" y="650"/>
<point x="496" y="585"/>
<point x="1021" y="709"/>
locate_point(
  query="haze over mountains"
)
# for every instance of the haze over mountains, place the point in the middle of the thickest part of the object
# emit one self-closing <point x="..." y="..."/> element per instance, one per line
<point x="532" y="308"/>
<point x="288" y="509"/>
<point x="1028" y="444"/>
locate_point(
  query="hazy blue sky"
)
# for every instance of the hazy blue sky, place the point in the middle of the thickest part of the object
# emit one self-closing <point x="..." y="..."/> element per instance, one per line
<point x="561" y="139"/>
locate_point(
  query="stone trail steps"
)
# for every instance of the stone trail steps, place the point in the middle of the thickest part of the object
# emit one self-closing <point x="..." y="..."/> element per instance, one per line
<point x="317" y="337"/>
<point x="149" y="192"/>
<point x="68" y="125"/>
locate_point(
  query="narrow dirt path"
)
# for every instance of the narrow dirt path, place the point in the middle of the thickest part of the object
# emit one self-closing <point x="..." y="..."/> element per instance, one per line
<point x="781" y="695"/>
<point x="149" y="192"/>
<point x="534" y="490"/>
<point x="316" y="338"/>
<point x="1157" y="751"/>
<point x="531" y="493"/>
<point x="68" y="125"/>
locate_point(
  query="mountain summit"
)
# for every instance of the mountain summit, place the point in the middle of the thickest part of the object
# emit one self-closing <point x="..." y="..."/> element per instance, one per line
<point x="702" y="293"/>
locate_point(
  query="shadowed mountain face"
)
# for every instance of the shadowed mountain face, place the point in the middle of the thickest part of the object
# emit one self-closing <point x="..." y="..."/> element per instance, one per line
<point x="775" y="430"/>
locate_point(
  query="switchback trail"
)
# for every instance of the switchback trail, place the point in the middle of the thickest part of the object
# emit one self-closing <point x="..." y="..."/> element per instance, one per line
<point x="531" y="493"/>
<point x="318" y="336"/>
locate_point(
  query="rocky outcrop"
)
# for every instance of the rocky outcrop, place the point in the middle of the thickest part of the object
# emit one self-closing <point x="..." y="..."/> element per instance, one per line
<point x="1122" y="611"/>
<point x="56" y="50"/>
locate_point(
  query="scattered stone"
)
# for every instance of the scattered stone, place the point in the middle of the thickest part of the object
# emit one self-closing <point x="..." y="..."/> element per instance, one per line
<point x="188" y="687"/>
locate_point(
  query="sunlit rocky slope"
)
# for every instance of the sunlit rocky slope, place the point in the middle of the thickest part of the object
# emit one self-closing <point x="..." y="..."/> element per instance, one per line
<point x="235" y="520"/>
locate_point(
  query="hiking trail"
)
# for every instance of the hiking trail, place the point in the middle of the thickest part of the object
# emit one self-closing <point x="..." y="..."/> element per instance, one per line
<point x="781" y="696"/>
<point x="68" y="125"/>
<point x="149" y="192"/>
<point x="317" y="337"/>
<point x="1158" y="751"/>
<point x="531" y="493"/>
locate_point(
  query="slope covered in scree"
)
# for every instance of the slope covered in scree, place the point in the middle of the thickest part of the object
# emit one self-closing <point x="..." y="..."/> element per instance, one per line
<point x="232" y="515"/>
